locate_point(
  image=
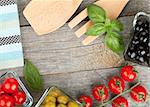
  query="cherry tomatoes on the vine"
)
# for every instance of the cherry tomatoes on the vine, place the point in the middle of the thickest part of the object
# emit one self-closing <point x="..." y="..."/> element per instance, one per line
<point x="120" y="102"/>
<point x="128" y="73"/>
<point x="100" y="92"/>
<point x="116" y="85"/>
<point x="86" y="101"/>
<point x="139" y="94"/>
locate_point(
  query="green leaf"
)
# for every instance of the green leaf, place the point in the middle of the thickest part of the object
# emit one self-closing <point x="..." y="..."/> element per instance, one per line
<point x="96" y="14"/>
<point x="116" y="25"/>
<point x="107" y="22"/>
<point x="115" y="42"/>
<point x="108" y="26"/>
<point x="32" y="77"/>
<point x="96" y="29"/>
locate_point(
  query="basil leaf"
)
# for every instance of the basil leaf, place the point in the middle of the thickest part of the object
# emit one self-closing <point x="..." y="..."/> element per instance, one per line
<point x="32" y="77"/>
<point x="96" y="14"/>
<point x="108" y="26"/>
<point x="116" y="25"/>
<point x="96" y="29"/>
<point x="115" y="42"/>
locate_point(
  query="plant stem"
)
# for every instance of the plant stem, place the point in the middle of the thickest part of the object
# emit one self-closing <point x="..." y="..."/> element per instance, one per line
<point x="124" y="92"/>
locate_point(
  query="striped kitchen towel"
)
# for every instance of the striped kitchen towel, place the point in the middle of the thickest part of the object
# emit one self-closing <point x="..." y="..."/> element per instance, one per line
<point x="11" y="54"/>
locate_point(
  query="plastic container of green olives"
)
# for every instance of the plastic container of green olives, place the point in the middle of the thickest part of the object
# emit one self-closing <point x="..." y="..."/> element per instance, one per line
<point x="136" y="51"/>
<point x="50" y="91"/>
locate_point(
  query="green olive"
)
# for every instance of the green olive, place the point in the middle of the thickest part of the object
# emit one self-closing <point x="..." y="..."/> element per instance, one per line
<point x="50" y="104"/>
<point x="63" y="99"/>
<point x="55" y="93"/>
<point x="61" y="105"/>
<point x="49" y="99"/>
<point x="72" y="104"/>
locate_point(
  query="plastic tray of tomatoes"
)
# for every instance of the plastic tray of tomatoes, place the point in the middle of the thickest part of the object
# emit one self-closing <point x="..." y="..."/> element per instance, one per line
<point x="55" y="97"/>
<point x="13" y="92"/>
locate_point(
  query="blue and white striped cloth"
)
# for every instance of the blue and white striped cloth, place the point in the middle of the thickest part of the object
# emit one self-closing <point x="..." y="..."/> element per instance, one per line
<point x="11" y="54"/>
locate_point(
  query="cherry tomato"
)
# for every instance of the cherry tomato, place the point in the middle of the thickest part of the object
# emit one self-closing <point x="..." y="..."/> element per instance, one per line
<point x="100" y="93"/>
<point x="128" y="73"/>
<point x="10" y="85"/>
<point x="120" y="102"/>
<point x="139" y="94"/>
<point x="6" y="101"/>
<point x="86" y="101"/>
<point x="19" y="97"/>
<point x="1" y="90"/>
<point x="116" y="85"/>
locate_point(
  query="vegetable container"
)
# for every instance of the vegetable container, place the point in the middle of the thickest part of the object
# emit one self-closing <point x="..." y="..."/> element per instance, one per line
<point x="138" y="48"/>
<point x="50" y="92"/>
<point x="11" y="74"/>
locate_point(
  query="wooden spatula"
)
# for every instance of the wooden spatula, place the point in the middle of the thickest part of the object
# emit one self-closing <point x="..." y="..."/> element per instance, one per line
<point x="46" y="16"/>
<point x="112" y="7"/>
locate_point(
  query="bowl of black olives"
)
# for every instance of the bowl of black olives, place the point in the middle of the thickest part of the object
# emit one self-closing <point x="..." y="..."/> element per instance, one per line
<point x="138" y="48"/>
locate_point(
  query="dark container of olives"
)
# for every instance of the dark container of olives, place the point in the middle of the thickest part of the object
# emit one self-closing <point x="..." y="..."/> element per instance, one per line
<point x="56" y="94"/>
<point x="138" y="48"/>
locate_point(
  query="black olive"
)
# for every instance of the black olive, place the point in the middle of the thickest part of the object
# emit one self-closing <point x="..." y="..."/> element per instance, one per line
<point x="139" y="47"/>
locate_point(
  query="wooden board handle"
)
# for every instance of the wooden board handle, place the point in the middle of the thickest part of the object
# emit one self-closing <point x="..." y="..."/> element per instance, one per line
<point x="113" y="9"/>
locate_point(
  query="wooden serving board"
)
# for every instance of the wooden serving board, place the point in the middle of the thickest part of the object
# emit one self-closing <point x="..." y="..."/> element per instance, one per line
<point x="46" y="16"/>
<point x="113" y="9"/>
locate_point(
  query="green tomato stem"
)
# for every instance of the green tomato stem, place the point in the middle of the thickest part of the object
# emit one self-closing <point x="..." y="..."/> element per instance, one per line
<point x="124" y="92"/>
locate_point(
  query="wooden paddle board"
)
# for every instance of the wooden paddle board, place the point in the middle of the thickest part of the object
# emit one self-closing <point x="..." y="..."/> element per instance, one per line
<point x="46" y="16"/>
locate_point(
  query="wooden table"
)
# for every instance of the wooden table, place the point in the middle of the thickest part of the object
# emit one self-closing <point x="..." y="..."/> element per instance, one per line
<point x="65" y="62"/>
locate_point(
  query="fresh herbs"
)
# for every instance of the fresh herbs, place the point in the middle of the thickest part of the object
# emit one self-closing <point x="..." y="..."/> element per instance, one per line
<point x="103" y="25"/>
<point x="32" y="77"/>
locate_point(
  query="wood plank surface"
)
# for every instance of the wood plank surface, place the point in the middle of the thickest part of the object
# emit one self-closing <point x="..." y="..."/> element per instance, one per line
<point x="78" y="83"/>
<point x="61" y="51"/>
<point x="132" y="8"/>
<point x="65" y="62"/>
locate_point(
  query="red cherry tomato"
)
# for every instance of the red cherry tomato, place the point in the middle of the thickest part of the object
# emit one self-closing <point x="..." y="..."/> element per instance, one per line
<point x="128" y="73"/>
<point x="10" y="85"/>
<point x="120" y="102"/>
<point x="86" y="101"/>
<point x="1" y="90"/>
<point x="100" y="93"/>
<point x="116" y="85"/>
<point x="6" y="101"/>
<point x="19" y="97"/>
<point x="139" y="94"/>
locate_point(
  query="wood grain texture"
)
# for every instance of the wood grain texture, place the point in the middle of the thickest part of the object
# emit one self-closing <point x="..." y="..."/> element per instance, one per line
<point x="78" y="83"/>
<point x="61" y="51"/>
<point x="132" y="8"/>
<point x="65" y="62"/>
